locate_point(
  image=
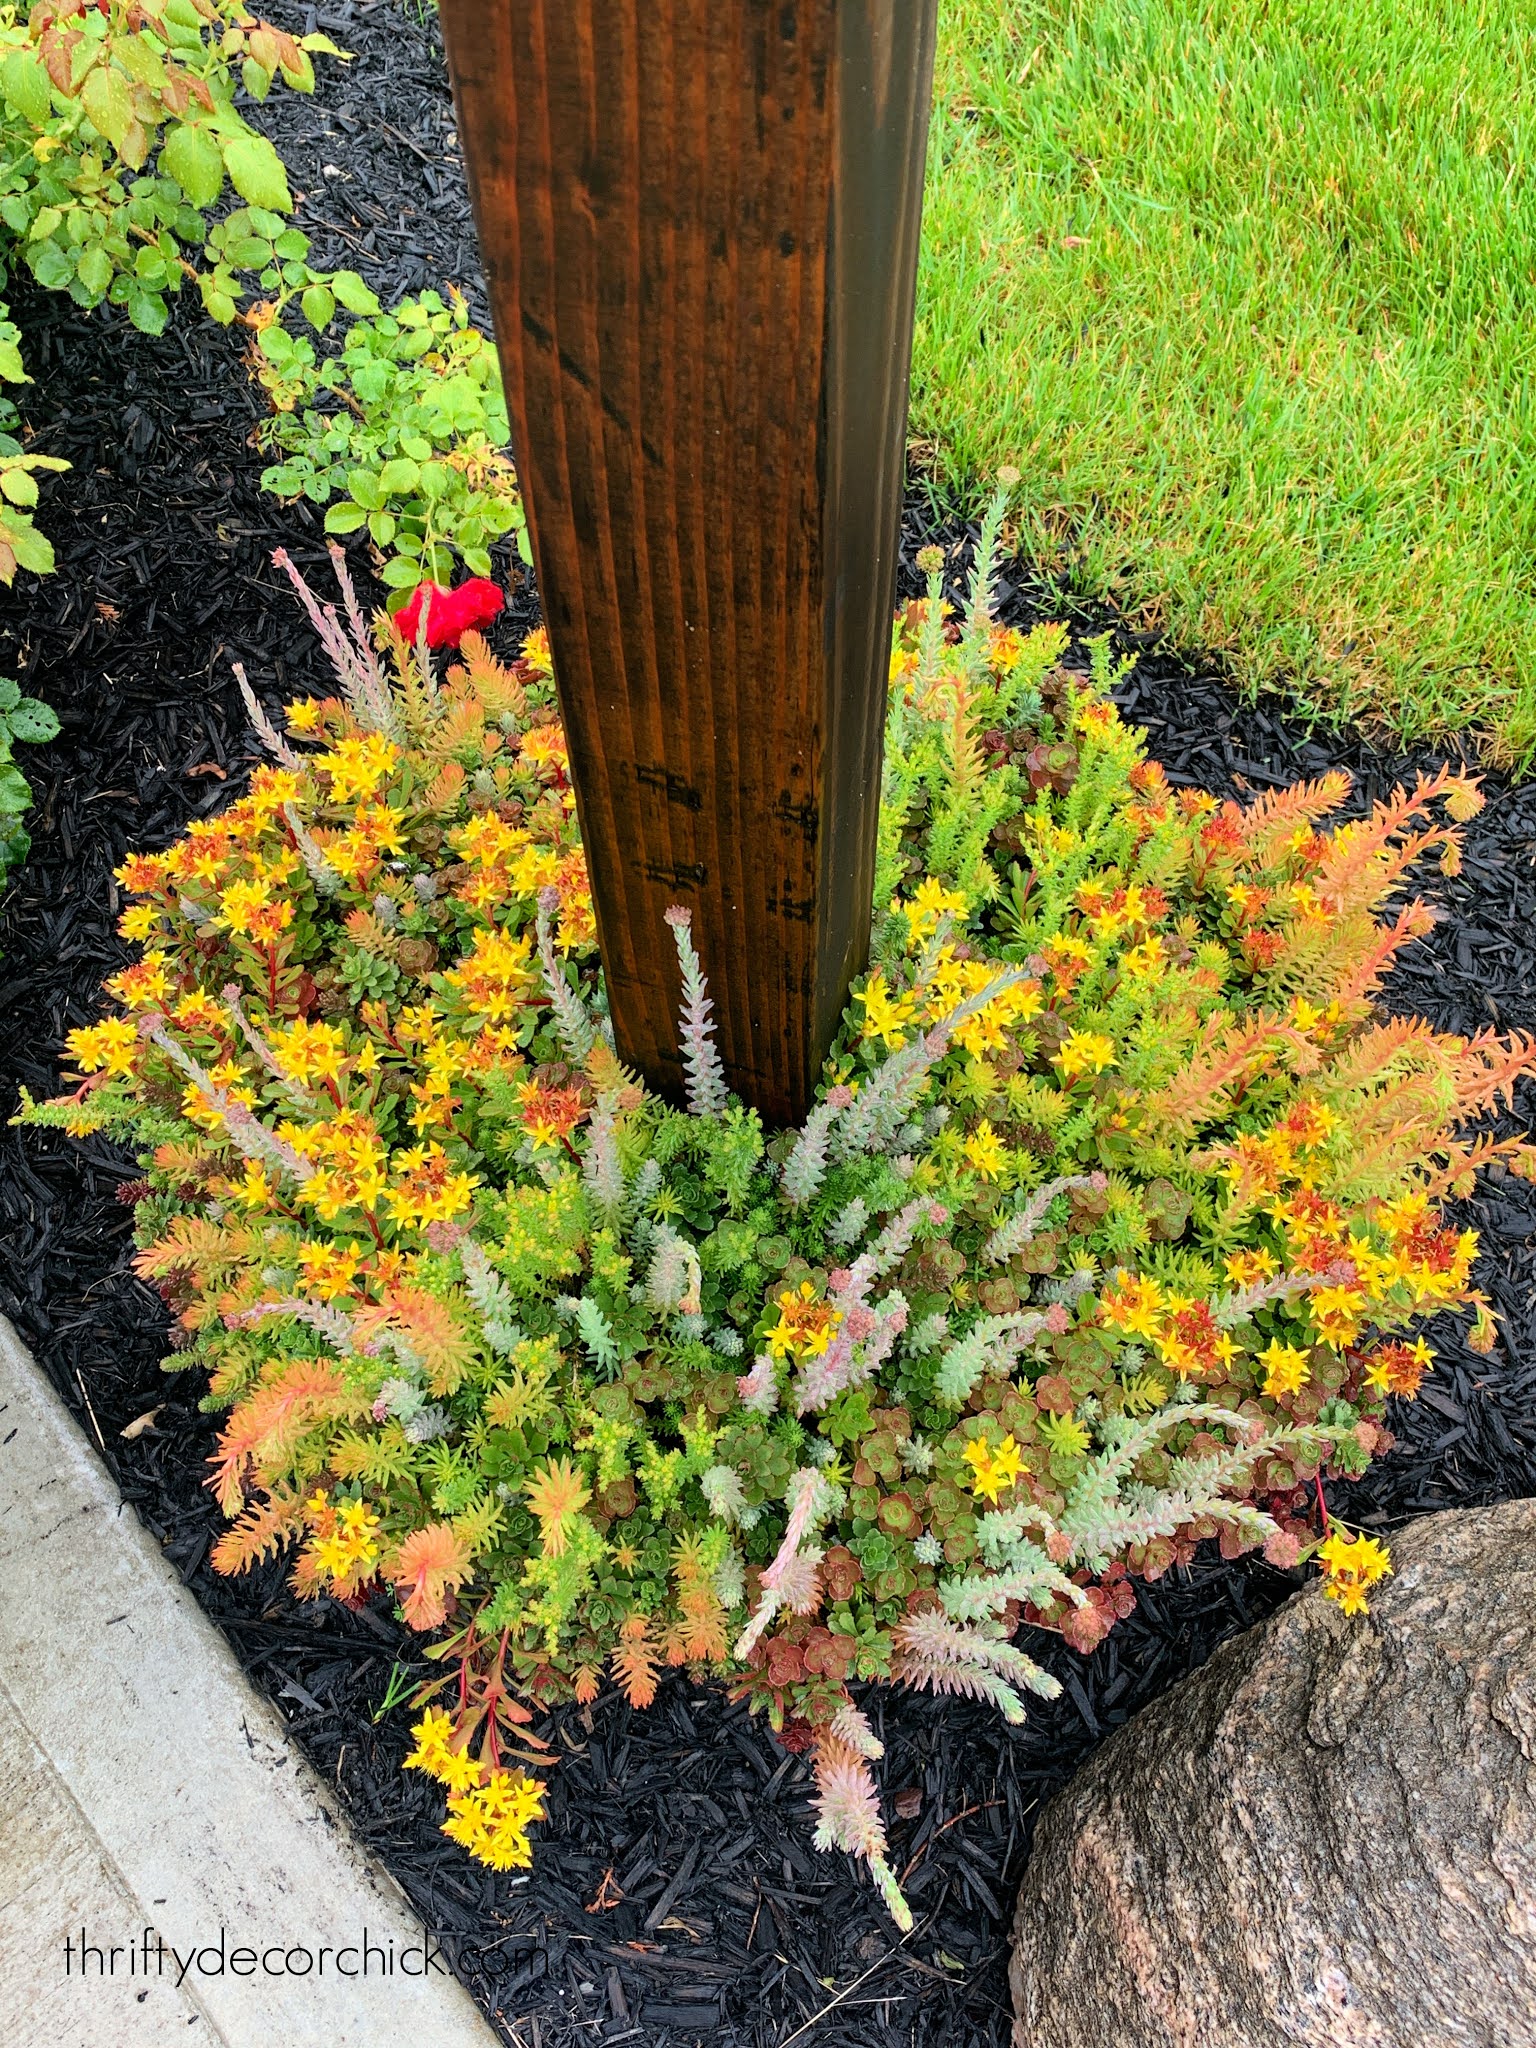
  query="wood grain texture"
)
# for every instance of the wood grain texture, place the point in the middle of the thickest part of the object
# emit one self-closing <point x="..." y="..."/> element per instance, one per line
<point x="699" y="220"/>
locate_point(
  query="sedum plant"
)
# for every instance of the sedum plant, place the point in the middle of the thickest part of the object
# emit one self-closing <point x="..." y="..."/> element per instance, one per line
<point x="1110" y="1231"/>
<point x="403" y="431"/>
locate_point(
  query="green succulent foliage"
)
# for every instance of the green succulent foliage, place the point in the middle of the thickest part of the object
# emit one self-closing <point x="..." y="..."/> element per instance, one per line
<point x="403" y="431"/>
<point x="25" y="719"/>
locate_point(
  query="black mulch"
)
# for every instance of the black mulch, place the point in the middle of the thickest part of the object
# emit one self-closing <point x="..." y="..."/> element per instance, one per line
<point x="731" y="1928"/>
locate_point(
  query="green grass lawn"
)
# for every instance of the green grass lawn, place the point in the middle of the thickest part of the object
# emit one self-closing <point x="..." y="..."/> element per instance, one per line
<point x="1247" y="291"/>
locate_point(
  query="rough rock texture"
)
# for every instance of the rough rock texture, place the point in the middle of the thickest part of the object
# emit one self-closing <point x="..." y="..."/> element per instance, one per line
<point x="1326" y="1835"/>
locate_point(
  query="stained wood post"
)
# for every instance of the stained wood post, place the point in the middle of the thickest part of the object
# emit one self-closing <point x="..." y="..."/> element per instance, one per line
<point x="699" y="220"/>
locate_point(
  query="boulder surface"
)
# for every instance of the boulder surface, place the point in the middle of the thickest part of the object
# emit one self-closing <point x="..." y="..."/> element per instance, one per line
<point x="1326" y="1836"/>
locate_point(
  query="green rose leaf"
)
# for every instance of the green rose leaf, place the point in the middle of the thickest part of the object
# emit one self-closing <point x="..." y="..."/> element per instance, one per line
<point x="148" y="313"/>
<point x="345" y="517"/>
<point x="256" y="172"/>
<point x="247" y="252"/>
<point x="364" y="488"/>
<point x="140" y="60"/>
<point x="352" y="293"/>
<point x="95" y="270"/>
<point x="34" y="722"/>
<point x="319" y="304"/>
<point x="192" y="158"/>
<point x="398" y="478"/>
<point x="108" y="103"/>
<point x="51" y="266"/>
<point x="27" y="87"/>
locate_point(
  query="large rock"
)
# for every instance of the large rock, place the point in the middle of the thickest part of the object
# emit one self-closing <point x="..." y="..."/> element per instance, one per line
<point x="1327" y="1835"/>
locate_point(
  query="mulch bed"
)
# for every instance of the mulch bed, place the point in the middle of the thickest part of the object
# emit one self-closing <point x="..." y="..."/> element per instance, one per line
<point x="729" y="1927"/>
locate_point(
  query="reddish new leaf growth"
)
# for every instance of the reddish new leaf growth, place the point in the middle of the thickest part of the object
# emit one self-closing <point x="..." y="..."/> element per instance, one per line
<point x="263" y="1528"/>
<point x="429" y="1565"/>
<point x="635" y="1662"/>
<point x="269" y="1424"/>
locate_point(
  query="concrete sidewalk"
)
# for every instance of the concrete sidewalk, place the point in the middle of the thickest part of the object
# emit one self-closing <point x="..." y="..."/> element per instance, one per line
<point x="157" y="1821"/>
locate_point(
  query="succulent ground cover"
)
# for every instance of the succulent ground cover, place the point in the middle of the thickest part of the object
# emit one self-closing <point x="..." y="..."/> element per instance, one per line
<point x="730" y="1943"/>
<point x="1112" y="1228"/>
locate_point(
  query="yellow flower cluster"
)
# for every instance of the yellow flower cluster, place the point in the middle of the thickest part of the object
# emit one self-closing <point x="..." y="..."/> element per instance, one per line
<point x="949" y="979"/>
<point x="1181" y="1328"/>
<point x="989" y="1030"/>
<point x="491" y="1818"/>
<point x="107" y="1047"/>
<point x="428" y="1190"/>
<point x="929" y="902"/>
<point x="806" y="1325"/>
<point x="1398" y="1369"/>
<point x="436" y="1755"/>
<point x="503" y="860"/>
<point x="359" y="852"/>
<point x="356" y="766"/>
<point x="1397" y="1263"/>
<point x="350" y="1162"/>
<point x="145" y="985"/>
<point x="985" y="1150"/>
<point x="492" y="1821"/>
<point x="200" y="1108"/>
<point x="886" y="1017"/>
<point x="1085" y="1052"/>
<point x="1286" y="1370"/>
<point x="497" y="975"/>
<point x="1351" y="1565"/>
<point x="349" y="1552"/>
<point x="329" y="1270"/>
<point x="250" y="908"/>
<point x="994" y="1467"/>
<point x="310" y="1052"/>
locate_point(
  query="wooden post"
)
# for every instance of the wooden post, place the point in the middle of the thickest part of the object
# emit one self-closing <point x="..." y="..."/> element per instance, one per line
<point x="699" y="220"/>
